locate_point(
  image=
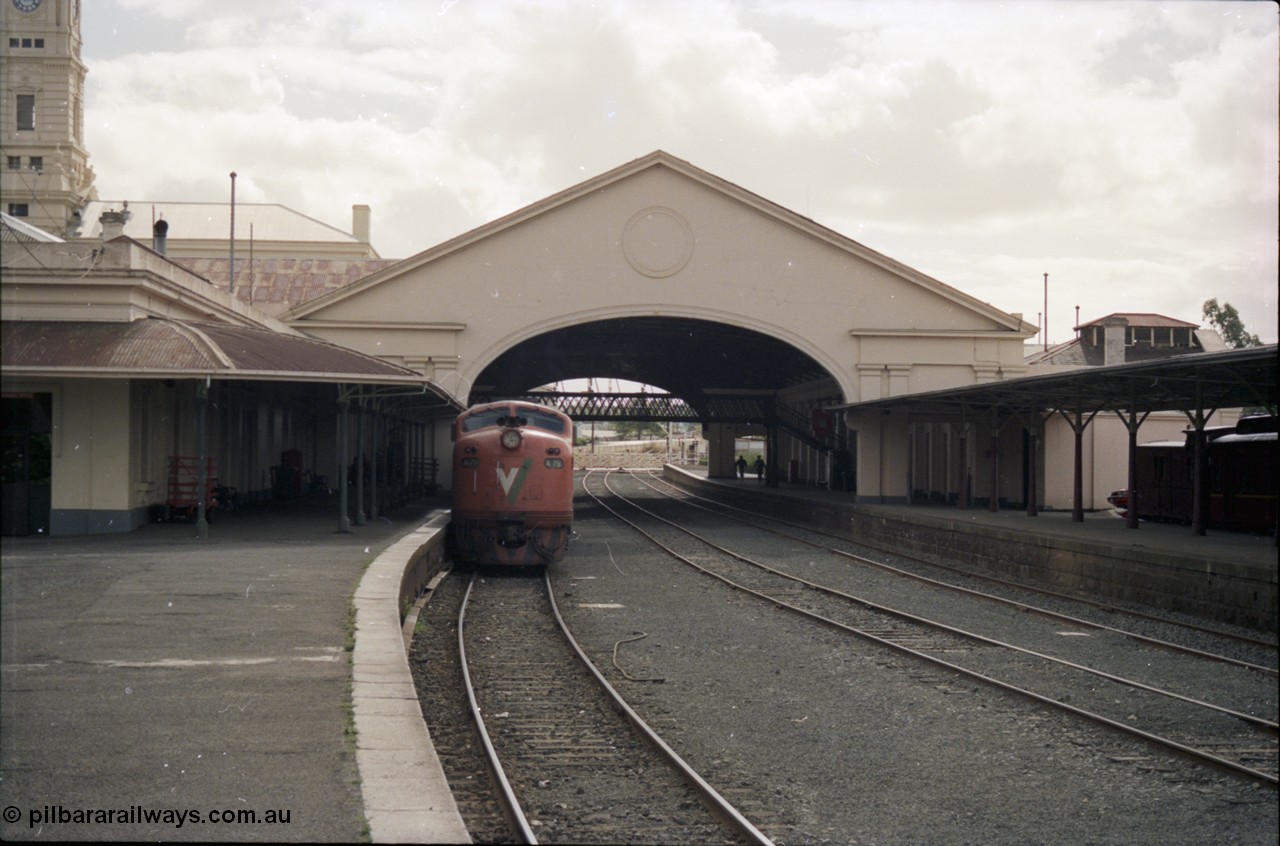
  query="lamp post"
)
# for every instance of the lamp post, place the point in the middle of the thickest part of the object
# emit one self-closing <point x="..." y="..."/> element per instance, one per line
<point x="231" y="274"/>
<point x="202" y="471"/>
<point x="1046" y="311"/>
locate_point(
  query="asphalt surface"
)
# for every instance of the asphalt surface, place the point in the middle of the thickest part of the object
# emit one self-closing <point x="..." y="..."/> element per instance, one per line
<point x="151" y="682"/>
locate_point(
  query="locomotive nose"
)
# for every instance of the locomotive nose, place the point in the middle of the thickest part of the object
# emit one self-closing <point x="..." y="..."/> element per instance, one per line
<point x="511" y="533"/>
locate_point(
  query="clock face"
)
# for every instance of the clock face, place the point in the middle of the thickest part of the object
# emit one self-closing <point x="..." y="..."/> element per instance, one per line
<point x="26" y="5"/>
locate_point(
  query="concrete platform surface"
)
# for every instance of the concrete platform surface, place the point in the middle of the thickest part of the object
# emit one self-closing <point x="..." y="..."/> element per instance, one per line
<point x="154" y="686"/>
<point x="1103" y="527"/>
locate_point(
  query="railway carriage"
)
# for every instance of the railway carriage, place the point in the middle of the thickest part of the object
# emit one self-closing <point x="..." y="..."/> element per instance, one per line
<point x="1240" y="479"/>
<point x="512" y="484"/>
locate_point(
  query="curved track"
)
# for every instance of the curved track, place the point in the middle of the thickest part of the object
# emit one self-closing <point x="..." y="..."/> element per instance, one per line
<point x="1226" y="737"/>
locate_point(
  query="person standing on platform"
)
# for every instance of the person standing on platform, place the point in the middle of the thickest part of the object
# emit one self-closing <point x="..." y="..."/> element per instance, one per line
<point x="760" y="468"/>
<point x="741" y="464"/>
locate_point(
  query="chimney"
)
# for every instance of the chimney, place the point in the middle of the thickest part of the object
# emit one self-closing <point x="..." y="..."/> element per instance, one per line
<point x="360" y="217"/>
<point x="1113" y="332"/>
<point x="159" y="235"/>
<point x="113" y="223"/>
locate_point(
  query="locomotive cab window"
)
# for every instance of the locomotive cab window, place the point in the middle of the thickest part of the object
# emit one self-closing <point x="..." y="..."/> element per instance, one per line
<point x="541" y="420"/>
<point x="483" y="419"/>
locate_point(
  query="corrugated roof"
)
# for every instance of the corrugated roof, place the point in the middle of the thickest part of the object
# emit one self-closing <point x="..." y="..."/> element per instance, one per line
<point x="1138" y="318"/>
<point x="16" y="229"/>
<point x="159" y="347"/>
<point x="1067" y="353"/>
<point x="279" y="284"/>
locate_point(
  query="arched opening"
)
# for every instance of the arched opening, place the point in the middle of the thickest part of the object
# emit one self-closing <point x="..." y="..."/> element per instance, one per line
<point x="683" y="356"/>
<point x="731" y="381"/>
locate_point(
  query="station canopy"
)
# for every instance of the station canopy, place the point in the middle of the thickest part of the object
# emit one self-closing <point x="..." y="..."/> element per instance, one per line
<point x="1201" y="382"/>
<point x="162" y="348"/>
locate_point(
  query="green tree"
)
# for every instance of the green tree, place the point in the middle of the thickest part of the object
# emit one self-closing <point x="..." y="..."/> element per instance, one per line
<point x="631" y="430"/>
<point x="1227" y="321"/>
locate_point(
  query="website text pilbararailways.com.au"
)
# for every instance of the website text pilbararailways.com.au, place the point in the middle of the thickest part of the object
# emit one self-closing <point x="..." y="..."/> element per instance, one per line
<point x="51" y="815"/>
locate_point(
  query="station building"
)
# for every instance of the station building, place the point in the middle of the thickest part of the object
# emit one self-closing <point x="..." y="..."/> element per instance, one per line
<point x="293" y="356"/>
<point x="124" y="374"/>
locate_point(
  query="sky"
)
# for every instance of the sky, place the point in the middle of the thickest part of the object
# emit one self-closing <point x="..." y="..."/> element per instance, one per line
<point x="1127" y="149"/>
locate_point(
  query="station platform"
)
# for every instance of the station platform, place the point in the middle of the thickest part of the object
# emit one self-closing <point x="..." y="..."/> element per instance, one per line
<point x="1162" y="564"/>
<point x="149" y="677"/>
<point x="1102" y="527"/>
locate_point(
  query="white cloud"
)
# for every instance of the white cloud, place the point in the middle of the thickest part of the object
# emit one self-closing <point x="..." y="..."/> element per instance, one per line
<point x="1130" y="146"/>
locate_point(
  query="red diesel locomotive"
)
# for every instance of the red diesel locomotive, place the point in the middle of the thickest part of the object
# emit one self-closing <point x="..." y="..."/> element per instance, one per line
<point x="512" y="484"/>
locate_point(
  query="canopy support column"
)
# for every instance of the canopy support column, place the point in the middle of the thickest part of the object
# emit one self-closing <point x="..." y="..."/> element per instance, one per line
<point x="344" y="453"/>
<point x="994" y="504"/>
<point x="1199" y="454"/>
<point x="1033" y="454"/>
<point x="376" y="426"/>
<point x="202" y="474"/>
<point x="1078" y="423"/>
<point x="1131" y="423"/>
<point x="360" y="459"/>
<point x="774" y="448"/>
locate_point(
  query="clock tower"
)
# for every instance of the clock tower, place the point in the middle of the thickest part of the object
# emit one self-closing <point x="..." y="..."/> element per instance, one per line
<point x="45" y="178"/>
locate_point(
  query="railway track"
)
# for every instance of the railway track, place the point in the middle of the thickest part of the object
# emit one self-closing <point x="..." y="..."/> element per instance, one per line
<point x="1239" y="742"/>
<point x="569" y="761"/>
<point x="437" y="674"/>
<point x="1229" y="647"/>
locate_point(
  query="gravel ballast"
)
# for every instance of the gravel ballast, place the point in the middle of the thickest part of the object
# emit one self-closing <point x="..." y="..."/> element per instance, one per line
<point x="865" y="746"/>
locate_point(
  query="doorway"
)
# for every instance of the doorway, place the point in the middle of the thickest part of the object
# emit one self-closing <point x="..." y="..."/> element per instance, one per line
<point x="26" y="473"/>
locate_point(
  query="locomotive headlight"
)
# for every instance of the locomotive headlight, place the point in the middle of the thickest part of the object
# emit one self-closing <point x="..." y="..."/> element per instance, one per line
<point x="511" y="438"/>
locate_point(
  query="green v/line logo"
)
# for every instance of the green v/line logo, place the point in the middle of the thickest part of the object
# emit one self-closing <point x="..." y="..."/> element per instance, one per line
<point x="513" y="480"/>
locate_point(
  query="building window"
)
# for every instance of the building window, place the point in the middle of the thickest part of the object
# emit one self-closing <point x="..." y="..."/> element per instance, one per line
<point x="37" y="162"/>
<point x="39" y="42"/>
<point x="15" y="162"/>
<point x="1136" y="335"/>
<point x="18" y="210"/>
<point x="26" y="112"/>
<point x="13" y="43"/>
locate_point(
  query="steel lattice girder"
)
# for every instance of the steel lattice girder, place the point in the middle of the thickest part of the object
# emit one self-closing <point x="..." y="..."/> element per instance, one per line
<point x="662" y="408"/>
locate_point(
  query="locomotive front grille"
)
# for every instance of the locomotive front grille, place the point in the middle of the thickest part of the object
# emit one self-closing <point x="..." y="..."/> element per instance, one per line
<point x="511" y="532"/>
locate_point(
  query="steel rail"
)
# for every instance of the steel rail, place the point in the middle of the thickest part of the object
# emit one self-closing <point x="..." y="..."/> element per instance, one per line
<point x="511" y="809"/>
<point x="1023" y="606"/>
<point x="1260" y="722"/>
<point x="1165" y="742"/>
<point x="719" y="805"/>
